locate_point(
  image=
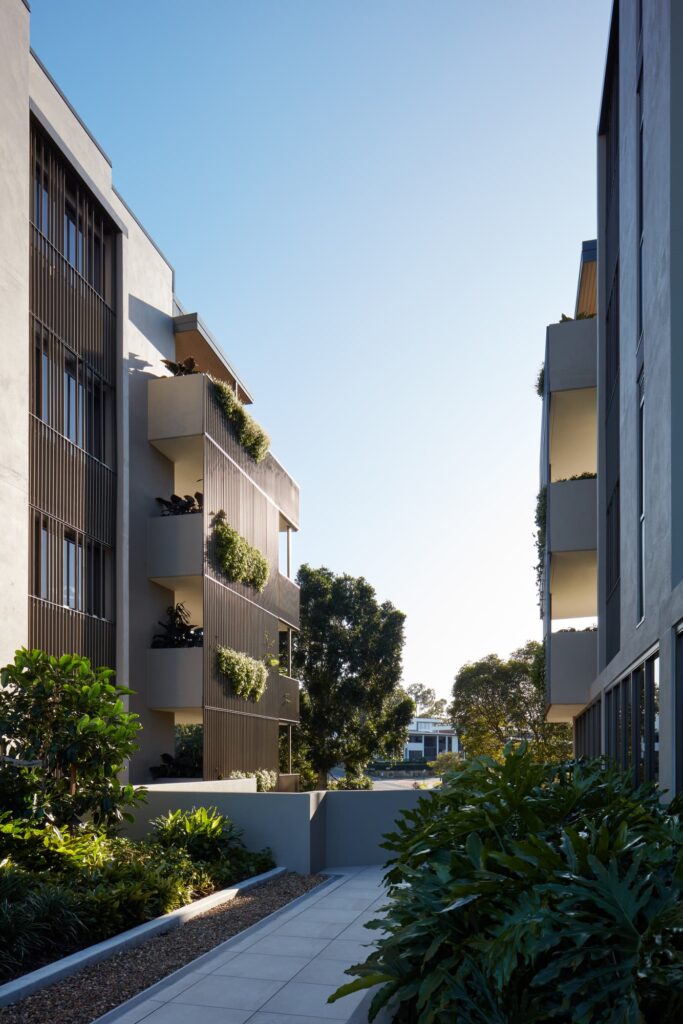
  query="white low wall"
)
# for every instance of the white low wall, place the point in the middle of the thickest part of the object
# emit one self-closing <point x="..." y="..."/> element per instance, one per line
<point x="201" y="787"/>
<point x="306" y="831"/>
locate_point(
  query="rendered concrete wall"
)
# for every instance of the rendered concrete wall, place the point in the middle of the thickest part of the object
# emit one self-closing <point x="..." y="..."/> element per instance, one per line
<point x="174" y="678"/>
<point x="572" y="515"/>
<point x="572" y="665"/>
<point x="306" y="831"/>
<point x="175" y="545"/>
<point x="571" y="355"/>
<point x="14" y="324"/>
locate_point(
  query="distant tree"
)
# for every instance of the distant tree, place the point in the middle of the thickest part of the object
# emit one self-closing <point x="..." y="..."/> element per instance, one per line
<point x="348" y="657"/>
<point x="426" y="702"/>
<point x="495" y="701"/>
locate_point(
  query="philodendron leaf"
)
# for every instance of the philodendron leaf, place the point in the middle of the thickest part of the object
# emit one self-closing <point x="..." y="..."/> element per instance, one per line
<point x="369" y="981"/>
<point x="457" y="904"/>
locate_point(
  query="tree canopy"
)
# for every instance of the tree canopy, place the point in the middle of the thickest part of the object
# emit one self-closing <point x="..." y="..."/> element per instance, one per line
<point x="495" y="701"/>
<point x="426" y="702"/>
<point x="348" y="657"/>
<point x="64" y="737"/>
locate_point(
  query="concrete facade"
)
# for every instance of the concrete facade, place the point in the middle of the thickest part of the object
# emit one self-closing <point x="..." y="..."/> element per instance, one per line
<point x="154" y="561"/>
<point x="633" y="707"/>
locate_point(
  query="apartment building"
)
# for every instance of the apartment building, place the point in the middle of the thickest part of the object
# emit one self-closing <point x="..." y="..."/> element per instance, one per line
<point x="428" y="737"/>
<point x="95" y="430"/>
<point x="631" y="705"/>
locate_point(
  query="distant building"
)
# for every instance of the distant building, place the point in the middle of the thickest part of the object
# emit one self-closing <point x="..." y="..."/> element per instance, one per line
<point x="428" y="737"/>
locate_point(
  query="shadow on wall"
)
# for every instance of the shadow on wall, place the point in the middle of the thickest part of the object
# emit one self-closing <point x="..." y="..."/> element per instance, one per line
<point x="154" y="324"/>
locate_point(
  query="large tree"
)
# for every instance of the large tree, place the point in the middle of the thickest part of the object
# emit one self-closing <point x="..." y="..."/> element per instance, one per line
<point x="348" y="657"/>
<point x="495" y="701"/>
<point x="426" y="701"/>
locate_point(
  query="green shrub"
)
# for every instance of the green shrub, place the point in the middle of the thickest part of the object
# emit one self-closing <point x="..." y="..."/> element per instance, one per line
<point x="446" y="761"/>
<point x="350" y="782"/>
<point x="265" y="779"/>
<point x="203" y="833"/>
<point x="37" y="921"/>
<point x="246" y="676"/>
<point x="251" y="436"/>
<point x="523" y="893"/>
<point x="64" y="737"/>
<point x="237" y="558"/>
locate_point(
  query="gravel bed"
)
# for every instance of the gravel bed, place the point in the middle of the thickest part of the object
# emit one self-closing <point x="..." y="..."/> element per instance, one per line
<point x="85" y="996"/>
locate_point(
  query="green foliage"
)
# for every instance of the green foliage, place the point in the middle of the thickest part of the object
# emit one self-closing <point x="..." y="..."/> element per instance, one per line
<point x="202" y="832"/>
<point x="301" y="759"/>
<point x="495" y="701"/>
<point x="540" y="520"/>
<point x="523" y="893"/>
<point x="564" y="319"/>
<point x="427" y="704"/>
<point x="246" y="676"/>
<point x="188" y="759"/>
<point x="540" y="382"/>
<point x="265" y="779"/>
<point x="577" y="476"/>
<point x="61" y="889"/>
<point x="348" y="657"/>
<point x="250" y="435"/>
<point x="237" y="558"/>
<point x="350" y="782"/>
<point x="446" y="761"/>
<point x="65" y="737"/>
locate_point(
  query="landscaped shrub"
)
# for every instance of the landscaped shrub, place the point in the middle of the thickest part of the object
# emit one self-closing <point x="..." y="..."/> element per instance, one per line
<point x="61" y="890"/>
<point x="541" y="526"/>
<point x="350" y="782"/>
<point x="64" y="738"/>
<point x="251" y="436"/>
<point x="237" y="558"/>
<point x="446" y="761"/>
<point x="523" y="893"/>
<point x="246" y="676"/>
<point x="265" y="779"/>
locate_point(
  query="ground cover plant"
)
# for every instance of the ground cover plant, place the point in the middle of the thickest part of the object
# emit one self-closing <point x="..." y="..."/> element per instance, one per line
<point x="63" y="889"/>
<point x="524" y="892"/>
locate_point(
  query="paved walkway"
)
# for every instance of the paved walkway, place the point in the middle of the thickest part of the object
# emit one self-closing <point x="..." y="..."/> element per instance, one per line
<point x="280" y="971"/>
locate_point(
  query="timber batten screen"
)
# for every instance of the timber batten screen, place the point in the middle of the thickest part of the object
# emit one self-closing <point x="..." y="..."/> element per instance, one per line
<point x="72" y="412"/>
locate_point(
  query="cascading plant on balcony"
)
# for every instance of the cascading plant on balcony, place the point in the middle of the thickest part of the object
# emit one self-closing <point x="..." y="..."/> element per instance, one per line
<point x="237" y="558"/>
<point x="540" y="519"/>
<point x="246" y="675"/>
<point x="251" y="436"/>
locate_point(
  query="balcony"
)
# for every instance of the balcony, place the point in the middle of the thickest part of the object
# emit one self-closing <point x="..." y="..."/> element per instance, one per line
<point x="573" y="585"/>
<point x="183" y="410"/>
<point x="288" y="600"/>
<point x="571" y="355"/>
<point x="174" y="678"/>
<point x="572" y="515"/>
<point x="572" y="667"/>
<point x="175" y="548"/>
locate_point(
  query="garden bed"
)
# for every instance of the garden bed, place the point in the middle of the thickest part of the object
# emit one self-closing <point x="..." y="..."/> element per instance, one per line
<point x="83" y="997"/>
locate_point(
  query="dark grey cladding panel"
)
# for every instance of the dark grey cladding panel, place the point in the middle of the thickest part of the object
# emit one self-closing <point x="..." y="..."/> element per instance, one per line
<point x="571" y="355"/>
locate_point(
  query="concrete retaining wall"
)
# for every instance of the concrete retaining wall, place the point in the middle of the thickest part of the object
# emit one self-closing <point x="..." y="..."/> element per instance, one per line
<point x="306" y="831"/>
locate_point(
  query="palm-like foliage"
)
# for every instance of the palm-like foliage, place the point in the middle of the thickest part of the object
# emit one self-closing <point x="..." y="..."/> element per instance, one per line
<point x="524" y="893"/>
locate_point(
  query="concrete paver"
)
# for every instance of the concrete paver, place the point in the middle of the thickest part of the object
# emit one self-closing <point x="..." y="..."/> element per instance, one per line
<point x="281" y="971"/>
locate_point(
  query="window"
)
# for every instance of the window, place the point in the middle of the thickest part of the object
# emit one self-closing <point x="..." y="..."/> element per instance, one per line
<point x="72" y="567"/>
<point x="73" y="237"/>
<point x="41" y="558"/>
<point x="641" y="496"/>
<point x="632" y="721"/>
<point x="613" y="541"/>
<point x="639" y="209"/>
<point x="612" y="342"/>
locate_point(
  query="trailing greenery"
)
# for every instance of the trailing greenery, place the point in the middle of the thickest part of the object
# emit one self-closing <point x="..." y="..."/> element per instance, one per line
<point x="540" y="382"/>
<point x="64" y="738"/>
<point x="246" y="676"/>
<point x="265" y="779"/>
<point x="61" y="890"/>
<point x="251" y="436"/>
<point x="523" y="893"/>
<point x="577" y="476"/>
<point x="237" y="558"/>
<point x="540" y="520"/>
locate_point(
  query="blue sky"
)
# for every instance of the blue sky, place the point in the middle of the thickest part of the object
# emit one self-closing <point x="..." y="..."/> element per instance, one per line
<point x="376" y="206"/>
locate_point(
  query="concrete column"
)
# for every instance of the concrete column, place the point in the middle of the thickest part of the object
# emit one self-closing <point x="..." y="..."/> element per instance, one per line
<point x="14" y="324"/>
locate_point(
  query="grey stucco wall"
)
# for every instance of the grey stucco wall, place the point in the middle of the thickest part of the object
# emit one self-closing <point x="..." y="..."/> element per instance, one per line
<point x="571" y="355"/>
<point x="306" y="831"/>
<point x="14" y="324"/>
<point x="572" y="515"/>
<point x="662" y="355"/>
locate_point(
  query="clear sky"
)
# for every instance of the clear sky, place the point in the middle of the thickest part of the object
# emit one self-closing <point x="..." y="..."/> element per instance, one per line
<point x="376" y="206"/>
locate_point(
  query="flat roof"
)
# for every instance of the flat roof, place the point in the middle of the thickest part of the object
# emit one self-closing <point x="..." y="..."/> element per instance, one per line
<point x="193" y="338"/>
